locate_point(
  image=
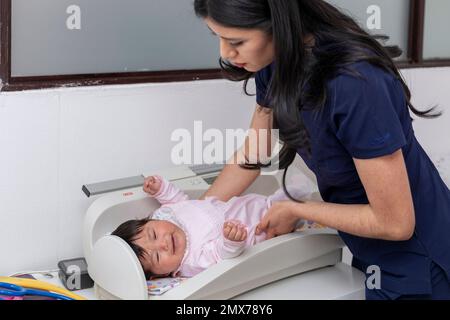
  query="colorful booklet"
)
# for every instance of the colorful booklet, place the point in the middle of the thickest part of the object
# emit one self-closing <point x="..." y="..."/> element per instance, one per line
<point x="158" y="287"/>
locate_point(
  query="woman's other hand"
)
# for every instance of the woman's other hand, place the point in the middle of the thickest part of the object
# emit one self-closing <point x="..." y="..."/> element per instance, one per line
<point x="278" y="220"/>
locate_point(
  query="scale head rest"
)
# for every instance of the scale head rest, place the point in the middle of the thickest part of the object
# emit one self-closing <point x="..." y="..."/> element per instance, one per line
<point x="116" y="268"/>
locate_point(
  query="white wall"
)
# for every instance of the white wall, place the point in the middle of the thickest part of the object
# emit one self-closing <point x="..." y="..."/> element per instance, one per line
<point x="431" y="87"/>
<point x="54" y="141"/>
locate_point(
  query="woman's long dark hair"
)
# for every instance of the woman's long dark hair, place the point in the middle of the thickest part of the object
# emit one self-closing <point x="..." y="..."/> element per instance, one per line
<point x="288" y="21"/>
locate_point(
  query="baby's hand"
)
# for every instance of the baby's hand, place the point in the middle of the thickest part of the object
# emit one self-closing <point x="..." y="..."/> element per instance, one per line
<point x="152" y="185"/>
<point x="235" y="231"/>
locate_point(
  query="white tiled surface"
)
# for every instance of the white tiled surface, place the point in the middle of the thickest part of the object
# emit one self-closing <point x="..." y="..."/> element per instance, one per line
<point x="54" y="141"/>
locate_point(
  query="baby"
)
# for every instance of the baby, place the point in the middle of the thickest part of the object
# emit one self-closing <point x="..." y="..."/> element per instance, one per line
<point x="184" y="237"/>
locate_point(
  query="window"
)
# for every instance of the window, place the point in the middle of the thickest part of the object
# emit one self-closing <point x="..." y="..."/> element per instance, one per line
<point x="53" y="43"/>
<point x="63" y="37"/>
<point x="381" y="17"/>
<point x="436" y="42"/>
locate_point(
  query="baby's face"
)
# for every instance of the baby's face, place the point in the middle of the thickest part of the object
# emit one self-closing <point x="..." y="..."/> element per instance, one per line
<point x="164" y="244"/>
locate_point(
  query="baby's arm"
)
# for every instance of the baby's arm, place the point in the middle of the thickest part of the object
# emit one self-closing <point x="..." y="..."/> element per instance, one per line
<point x="163" y="190"/>
<point x="232" y="244"/>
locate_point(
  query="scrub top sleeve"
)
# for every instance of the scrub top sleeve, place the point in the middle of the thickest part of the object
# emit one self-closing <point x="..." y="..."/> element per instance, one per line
<point x="365" y="115"/>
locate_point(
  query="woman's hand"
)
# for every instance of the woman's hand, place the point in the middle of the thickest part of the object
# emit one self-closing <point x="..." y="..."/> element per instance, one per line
<point x="279" y="220"/>
<point x="152" y="185"/>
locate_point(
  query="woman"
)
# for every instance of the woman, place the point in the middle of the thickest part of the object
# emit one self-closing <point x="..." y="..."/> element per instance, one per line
<point x="340" y="103"/>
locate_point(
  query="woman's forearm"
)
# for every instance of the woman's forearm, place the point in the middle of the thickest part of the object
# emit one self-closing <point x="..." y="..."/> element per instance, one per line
<point x="232" y="181"/>
<point x="359" y="220"/>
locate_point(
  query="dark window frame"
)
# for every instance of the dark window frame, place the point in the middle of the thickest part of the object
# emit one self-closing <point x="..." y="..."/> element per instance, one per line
<point x="9" y="83"/>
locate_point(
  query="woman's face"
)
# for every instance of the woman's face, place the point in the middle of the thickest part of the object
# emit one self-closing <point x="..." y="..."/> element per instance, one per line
<point x="251" y="49"/>
<point x="164" y="244"/>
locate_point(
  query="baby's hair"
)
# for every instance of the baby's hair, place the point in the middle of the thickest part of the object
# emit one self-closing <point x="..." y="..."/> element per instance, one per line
<point x="129" y="231"/>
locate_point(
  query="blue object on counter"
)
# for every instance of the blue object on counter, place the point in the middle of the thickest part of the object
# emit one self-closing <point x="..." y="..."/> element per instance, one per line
<point x="12" y="290"/>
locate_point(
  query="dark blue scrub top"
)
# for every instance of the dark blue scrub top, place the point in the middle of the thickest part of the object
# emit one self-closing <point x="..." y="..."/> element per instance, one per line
<point x="369" y="118"/>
